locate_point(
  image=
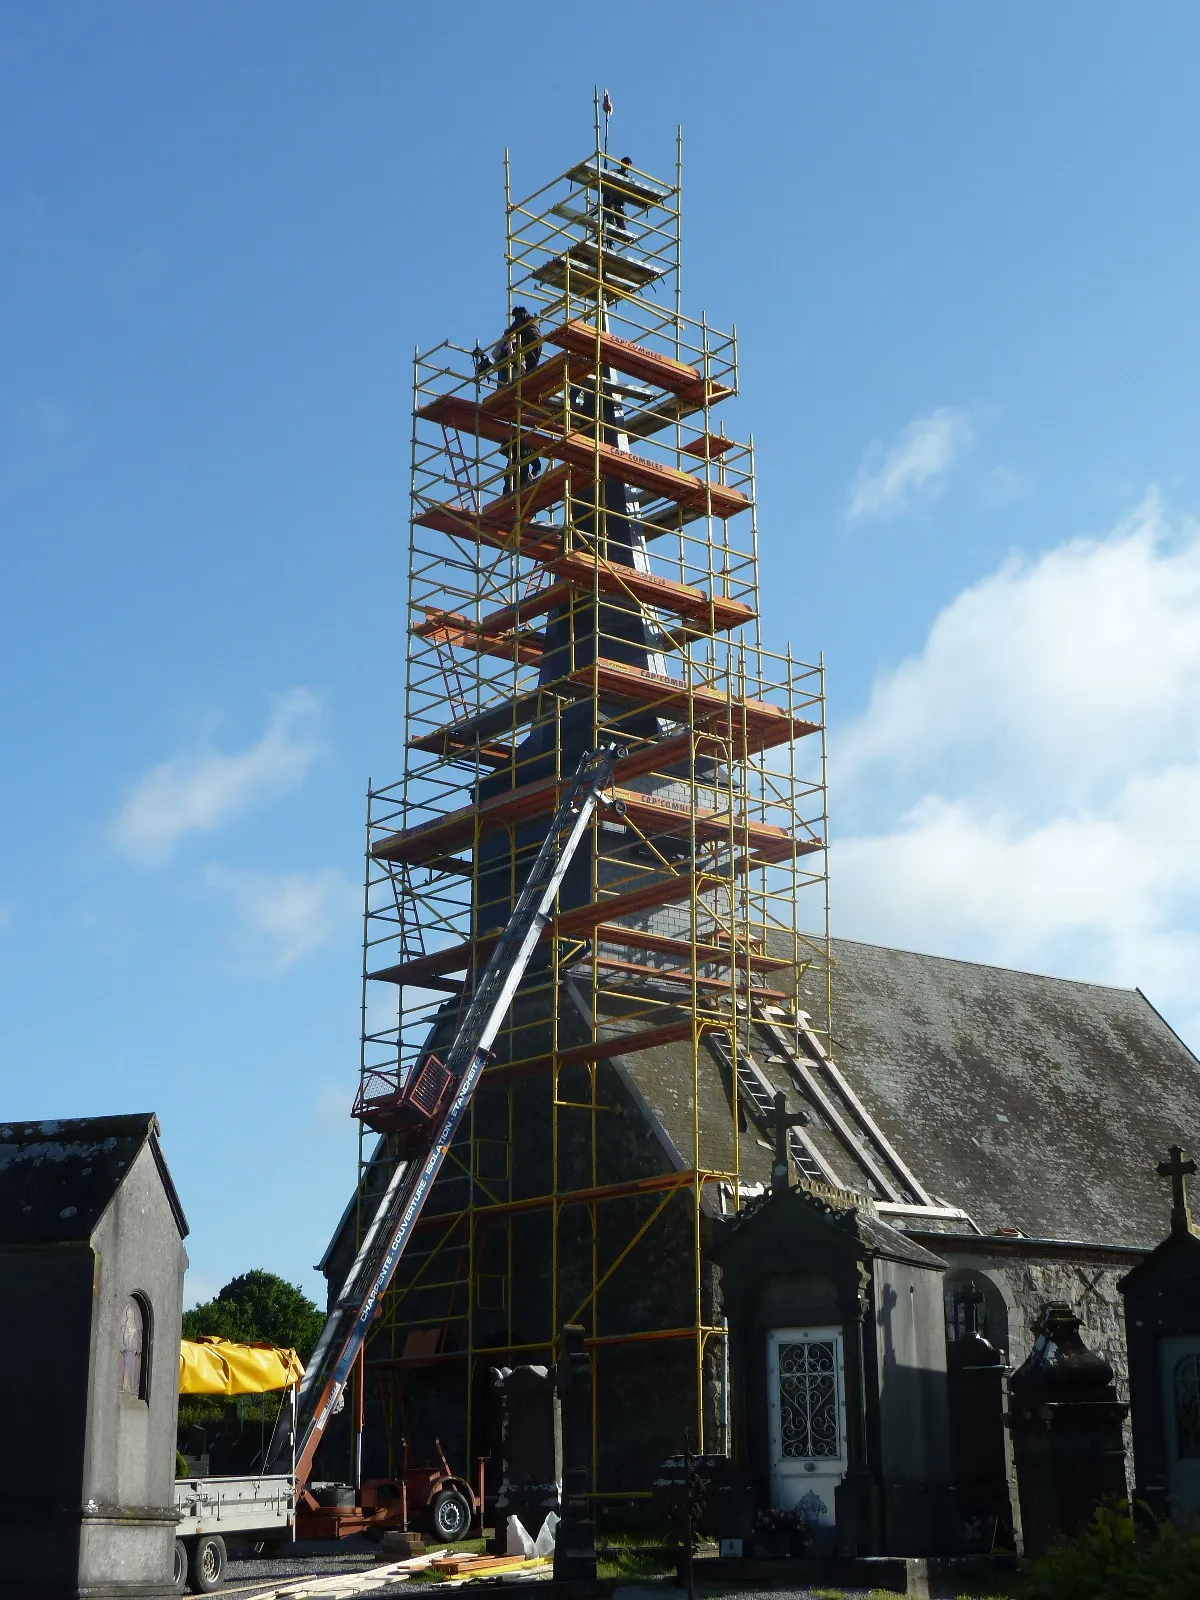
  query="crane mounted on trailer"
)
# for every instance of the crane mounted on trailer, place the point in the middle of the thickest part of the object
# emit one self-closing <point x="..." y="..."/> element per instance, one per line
<point x="425" y="1113"/>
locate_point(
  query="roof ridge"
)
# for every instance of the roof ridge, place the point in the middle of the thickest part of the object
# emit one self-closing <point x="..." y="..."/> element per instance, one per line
<point x="989" y="966"/>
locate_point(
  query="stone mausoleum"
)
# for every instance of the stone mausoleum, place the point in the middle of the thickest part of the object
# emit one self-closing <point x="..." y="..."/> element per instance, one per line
<point x="91" y="1281"/>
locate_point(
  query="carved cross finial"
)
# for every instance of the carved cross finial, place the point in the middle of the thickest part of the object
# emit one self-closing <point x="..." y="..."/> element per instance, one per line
<point x="781" y="1122"/>
<point x="1178" y="1170"/>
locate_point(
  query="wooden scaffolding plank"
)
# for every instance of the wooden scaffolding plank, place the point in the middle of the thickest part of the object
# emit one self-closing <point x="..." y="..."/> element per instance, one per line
<point x="683" y="975"/>
<point x="706" y="954"/>
<point x="459" y="632"/>
<point x="666" y="483"/>
<point x="656" y="816"/>
<point x="625" y="1044"/>
<point x="652" y="815"/>
<point x="711" y="725"/>
<point x="638" y="361"/>
<point x="584" y="569"/>
<point x="591" y="455"/>
<point x="495" y="635"/>
<point x="642" y="687"/>
<point x="579" y="920"/>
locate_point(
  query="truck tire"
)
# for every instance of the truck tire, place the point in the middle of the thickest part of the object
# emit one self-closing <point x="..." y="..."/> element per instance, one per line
<point x="206" y="1563"/>
<point x="181" y="1564"/>
<point x="449" y="1516"/>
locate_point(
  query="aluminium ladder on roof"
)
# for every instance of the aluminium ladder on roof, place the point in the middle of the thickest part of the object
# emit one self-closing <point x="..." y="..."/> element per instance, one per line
<point x="383" y="1245"/>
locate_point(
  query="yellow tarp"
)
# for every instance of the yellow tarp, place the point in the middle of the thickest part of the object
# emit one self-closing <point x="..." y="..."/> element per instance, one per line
<point x="218" y="1366"/>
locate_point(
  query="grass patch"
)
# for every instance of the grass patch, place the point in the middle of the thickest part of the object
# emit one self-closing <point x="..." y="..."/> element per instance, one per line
<point x="635" y="1556"/>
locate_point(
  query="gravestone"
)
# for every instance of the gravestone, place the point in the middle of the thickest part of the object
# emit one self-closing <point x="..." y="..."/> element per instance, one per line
<point x="1066" y="1426"/>
<point x="1162" y="1322"/>
<point x="91" y="1285"/>
<point x="530" y="1453"/>
<point x="975" y="1373"/>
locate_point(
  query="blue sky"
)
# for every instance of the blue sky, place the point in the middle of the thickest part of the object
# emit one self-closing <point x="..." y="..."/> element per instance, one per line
<point x="961" y="246"/>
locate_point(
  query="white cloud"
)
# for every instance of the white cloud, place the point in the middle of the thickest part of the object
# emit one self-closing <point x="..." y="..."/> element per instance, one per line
<point x="283" y="917"/>
<point x="917" y="465"/>
<point x="1027" y="789"/>
<point x="202" y="788"/>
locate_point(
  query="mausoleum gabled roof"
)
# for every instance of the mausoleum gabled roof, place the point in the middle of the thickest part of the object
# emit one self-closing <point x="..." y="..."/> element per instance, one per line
<point x="57" y="1179"/>
<point x="843" y="1216"/>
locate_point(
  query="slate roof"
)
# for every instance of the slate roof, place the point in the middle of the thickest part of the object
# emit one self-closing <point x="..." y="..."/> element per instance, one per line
<point x="58" y="1178"/>
<point x="1032" y="1102"/>
<point x="1035" y="1103"/>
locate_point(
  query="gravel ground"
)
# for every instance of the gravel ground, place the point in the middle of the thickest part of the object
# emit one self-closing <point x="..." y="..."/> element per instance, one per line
<point x="253" y="1577"/>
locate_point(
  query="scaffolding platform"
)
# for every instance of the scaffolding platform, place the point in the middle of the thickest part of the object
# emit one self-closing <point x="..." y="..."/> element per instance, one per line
<point x="583" y="571"/>
<point x="652" y="815"/>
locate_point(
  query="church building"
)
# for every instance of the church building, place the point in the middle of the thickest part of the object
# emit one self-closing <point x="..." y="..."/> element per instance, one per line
<point x="805" y="1197"/>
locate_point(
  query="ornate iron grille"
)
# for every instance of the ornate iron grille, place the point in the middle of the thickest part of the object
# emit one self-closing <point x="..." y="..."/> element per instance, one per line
<point x="808" y="1398"/>
<point x="1187" y="1406"/>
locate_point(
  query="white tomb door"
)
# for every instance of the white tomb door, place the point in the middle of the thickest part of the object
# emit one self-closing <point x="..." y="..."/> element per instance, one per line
<point x="1180" y="1358"/>
<point x="806" y="1414"/>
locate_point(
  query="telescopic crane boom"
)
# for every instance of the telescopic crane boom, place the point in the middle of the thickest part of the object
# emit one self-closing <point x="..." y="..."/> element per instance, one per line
<point x="453" y="1085"/>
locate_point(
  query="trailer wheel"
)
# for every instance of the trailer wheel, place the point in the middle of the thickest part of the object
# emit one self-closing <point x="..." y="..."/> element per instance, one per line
<point x="206" y="1566"/>
<point x="449" y="1515"/>
<point x="180" y="1563"/>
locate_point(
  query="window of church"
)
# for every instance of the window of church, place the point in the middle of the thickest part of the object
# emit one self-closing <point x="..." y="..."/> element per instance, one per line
<point x="133" y="1362"/>
<point x="966" y="1313"/>
<point x="1187" y="1406"/>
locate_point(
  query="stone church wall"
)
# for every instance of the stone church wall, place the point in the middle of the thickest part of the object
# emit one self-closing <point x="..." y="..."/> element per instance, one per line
<point x="1087" y="1281"/>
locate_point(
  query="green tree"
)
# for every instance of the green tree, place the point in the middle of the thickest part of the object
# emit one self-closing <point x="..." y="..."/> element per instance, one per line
<point x="258" y="1307"/>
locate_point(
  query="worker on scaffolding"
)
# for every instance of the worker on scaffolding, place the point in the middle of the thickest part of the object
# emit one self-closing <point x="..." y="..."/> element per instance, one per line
<point x="613" y="206"/>
<point x="518" y="353"/>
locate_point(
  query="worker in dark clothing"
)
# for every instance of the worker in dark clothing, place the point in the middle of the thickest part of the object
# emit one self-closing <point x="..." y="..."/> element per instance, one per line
<point x="526" y="333"/>
<point x="519" y="351"/>
<point x="614" y="203"/>
<point x="503" y="355"/>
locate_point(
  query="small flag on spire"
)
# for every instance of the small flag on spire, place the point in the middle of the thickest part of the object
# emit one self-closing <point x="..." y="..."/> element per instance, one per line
<point x="606" y="104"/>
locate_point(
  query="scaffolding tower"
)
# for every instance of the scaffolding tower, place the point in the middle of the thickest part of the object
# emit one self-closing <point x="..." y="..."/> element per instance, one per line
<point x="582" y="571"/>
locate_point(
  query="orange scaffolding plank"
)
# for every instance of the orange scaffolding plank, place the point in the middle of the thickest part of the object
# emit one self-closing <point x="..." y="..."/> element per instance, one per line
<point x="638" y="361"/>
<point x="673" y="694"/>
<point x="458" y="957"/>
<point x="598" y="1050"/>
<point x="578" y="570"/>
<point x="462" y="738"/>
<point x="494" y="634"/>
<point x="706" y="954"/>
<point x="656" y="816"/>
<point x="667" y="483"/>
<point x="505" y="523"/>
<point x="442" y="835"/>
<point x="682" y="975"/>
<point x="610" y="577"/>
<point x="578" y="1197"/>
<point x="668" y="891"/>
<point x="449" y="628"/>
<point x="583" y="450"/>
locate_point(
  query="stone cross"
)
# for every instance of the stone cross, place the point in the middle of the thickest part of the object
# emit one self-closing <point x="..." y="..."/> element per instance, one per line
<point x="1178" y="1170"/>
<point x="781" y="1122"/>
